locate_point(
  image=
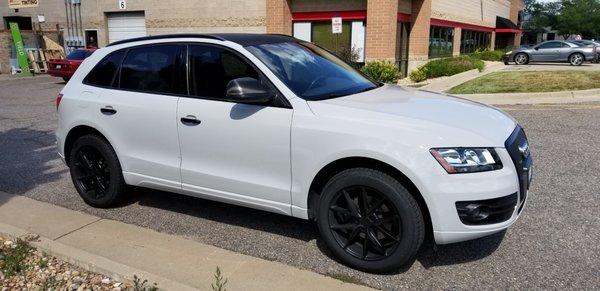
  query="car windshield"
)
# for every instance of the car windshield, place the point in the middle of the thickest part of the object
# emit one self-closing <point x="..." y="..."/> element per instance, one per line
<point x="311" y="72"/>
<point x="78" y="55"/>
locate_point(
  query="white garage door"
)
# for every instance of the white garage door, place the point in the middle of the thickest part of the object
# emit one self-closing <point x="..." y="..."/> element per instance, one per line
<point x="124" y="25"/>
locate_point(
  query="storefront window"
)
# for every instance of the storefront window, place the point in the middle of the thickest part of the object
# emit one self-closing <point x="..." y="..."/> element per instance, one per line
<point x="440" y="41"/>
<point x="472" y="41"/>
<point x="348" y="45"/>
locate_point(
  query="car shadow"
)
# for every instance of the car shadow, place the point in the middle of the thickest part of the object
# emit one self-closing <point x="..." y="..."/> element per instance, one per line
<point x="28" y="159"/>
<point x="430" y="255"/>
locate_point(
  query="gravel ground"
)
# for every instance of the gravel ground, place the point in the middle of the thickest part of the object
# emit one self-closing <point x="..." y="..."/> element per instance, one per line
<point x="553" y="246"/>
<point x="38" y="271"/>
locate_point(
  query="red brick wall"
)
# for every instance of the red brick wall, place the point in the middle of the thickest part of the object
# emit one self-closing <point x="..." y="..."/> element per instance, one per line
<point x="382" y="23"/>
<point x="279" y="17"/>
<point x="418" y="49"/>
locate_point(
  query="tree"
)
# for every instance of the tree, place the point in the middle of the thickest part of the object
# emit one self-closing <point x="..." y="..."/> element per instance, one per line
<point x="579" y="17"/>
<point x="539" y="16"/>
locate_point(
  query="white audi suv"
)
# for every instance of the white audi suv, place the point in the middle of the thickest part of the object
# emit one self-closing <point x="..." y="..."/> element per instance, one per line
<point x="282" y="125"/>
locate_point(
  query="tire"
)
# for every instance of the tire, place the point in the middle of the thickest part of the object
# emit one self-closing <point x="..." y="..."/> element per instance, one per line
<point x="96" y="172"/>
<point x="66" y="79"/>
<point x="576" y="59"/>
<point x="337" y="225"/>
<point x="521" y="59"/>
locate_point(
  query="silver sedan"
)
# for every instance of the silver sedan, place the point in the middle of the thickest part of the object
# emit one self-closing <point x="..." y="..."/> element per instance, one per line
<point x="552" y="51"/>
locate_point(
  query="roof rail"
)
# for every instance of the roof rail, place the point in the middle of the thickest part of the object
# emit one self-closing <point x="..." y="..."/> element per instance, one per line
<point x="167" y="36"/>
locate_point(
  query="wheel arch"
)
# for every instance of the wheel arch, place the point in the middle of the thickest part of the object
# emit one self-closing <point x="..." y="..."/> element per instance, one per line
<point x="525" y="53"/>
<point x="77" y="132"/>
<point x="334" y="167"/>
<point x="578" y="53"/>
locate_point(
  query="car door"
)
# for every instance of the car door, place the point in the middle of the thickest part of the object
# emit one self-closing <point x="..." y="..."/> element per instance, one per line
<point x="546" y="52"/>
<point x="233" y="151"/>
<point x="564" y="52"/>
<point x="138" y="114"/>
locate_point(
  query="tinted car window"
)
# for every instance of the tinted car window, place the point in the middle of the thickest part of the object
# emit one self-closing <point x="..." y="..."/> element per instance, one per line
<point x="550" y="45"/>
<point x="79" y="55"/>
<point x="150" y="69"/>
<point x="104" y="72"/>
<point x="212" y="68"/>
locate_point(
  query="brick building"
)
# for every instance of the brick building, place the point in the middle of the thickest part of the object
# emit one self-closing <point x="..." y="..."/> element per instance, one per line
<point x="405" y="31"/>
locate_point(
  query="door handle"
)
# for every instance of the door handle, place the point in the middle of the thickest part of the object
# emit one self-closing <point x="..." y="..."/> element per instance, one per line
<point x="190" y="120"/>
<point x="108" y="110"/>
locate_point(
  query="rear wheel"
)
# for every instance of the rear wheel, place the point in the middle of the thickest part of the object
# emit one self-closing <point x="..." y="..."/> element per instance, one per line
<point x="96" y="172"/>
<point x="576" y="59"/>
<point x="521" y="59"/>
<point x="370" y="221"/>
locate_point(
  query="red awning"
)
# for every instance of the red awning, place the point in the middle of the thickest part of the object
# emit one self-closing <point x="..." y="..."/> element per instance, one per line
<point x="507" y="30"/>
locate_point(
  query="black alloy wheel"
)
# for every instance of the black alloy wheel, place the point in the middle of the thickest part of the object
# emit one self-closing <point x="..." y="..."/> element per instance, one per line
<point x="369" y="220"/>
<point x="91" y="172"/>
<point x="365" y="223"/>
<point x="96" y="171"/>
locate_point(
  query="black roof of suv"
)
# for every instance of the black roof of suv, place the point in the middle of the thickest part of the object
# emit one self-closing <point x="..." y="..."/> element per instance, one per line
<point x="244" y="39"/>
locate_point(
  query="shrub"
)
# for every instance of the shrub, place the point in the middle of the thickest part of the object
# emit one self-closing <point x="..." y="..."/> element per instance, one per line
<point x="488" y="55"/>
<point x="446" y="67"/>
<point x="419" y="75"/>
<point x="382" y="71"/>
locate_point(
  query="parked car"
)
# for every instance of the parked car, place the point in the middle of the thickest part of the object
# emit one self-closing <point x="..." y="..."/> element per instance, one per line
<point x="552" y="51"/>
<point x="279" y="124"/>
<point x="65" y="68"/>
<point x="590" y="43"/>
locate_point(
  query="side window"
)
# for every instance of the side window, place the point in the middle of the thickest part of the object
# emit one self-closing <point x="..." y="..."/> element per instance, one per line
<point x="211" y="69"/>
<point x="151" y="69"/>
<point x="550" y="45"/>
<point x="104" y="73"/>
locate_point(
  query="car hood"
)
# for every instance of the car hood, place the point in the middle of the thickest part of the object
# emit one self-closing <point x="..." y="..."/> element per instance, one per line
<point x="438" y="120"/>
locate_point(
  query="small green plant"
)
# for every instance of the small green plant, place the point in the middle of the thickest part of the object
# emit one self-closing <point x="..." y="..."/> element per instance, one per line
<point x="139" y="285"/>
<point x="43" y="263"/>
<point x="382" y="71"/>
<point x="418" y="75"/>
<point x="446" y="67"/>
<point x="14" y="258"/>
<point x="220" y="281"/>
<point x="488" y="55"/>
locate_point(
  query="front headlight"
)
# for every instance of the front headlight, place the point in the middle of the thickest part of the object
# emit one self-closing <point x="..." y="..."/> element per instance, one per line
<point x="509" y="52"/>
<point x="467" y="160"/>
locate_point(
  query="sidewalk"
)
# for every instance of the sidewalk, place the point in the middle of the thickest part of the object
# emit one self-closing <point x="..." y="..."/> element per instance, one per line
<point x="592" y="95"/>
<point x="120" y="251"/>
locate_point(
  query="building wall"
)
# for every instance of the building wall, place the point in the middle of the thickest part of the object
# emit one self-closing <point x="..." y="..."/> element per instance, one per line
<point x="327" y="5"/>
<point x="6" y="45"/>
<point x="479" y="12"/>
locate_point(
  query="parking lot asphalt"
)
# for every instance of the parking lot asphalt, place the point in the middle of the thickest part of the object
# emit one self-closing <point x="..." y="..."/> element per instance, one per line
<point x="554" y="245"/>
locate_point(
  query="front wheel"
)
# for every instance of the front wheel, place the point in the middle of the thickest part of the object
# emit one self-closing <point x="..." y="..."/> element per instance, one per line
<point x="370" y="221"/>
<point x="96" y="171"/>
<point x="576" y="59"/>
<point x="521" y="59"/>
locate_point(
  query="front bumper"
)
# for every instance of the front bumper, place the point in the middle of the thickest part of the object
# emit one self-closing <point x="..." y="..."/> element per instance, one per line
<point x="481" y="188"/>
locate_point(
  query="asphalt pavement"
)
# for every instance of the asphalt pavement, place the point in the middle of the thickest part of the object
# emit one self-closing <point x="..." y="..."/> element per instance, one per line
<point x="555" y="244"/>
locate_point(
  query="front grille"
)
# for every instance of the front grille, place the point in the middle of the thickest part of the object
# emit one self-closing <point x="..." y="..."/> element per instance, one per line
<point x="488" y="211"/>
<point x="522" y="161"/>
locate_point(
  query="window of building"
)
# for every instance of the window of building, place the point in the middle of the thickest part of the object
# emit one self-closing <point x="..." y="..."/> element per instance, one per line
<point x="151" y="69"/>
<point x="23" y="22"/>
<point x="440" y="41"/>
<point x="104" y="72"/>
<point x="348" y="45"/>
<point x="212" y="68"/>
<point x="472" y="41"/>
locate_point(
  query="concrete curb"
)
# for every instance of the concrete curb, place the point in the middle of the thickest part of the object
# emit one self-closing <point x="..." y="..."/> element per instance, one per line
<point x="592" y="95"/>
<point x="120" y="251"/>
<point x="91" y="262"/>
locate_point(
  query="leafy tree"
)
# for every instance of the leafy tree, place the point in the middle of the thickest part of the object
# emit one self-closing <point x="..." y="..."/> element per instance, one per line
<point x="579" y="17"/>
<point x="539" y="15"/>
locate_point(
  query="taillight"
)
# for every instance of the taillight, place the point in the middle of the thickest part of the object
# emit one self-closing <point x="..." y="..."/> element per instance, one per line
<point x="58" y="99"/>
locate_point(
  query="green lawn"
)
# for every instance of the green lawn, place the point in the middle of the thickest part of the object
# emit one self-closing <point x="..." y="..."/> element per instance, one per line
<point x="527" y="82"/>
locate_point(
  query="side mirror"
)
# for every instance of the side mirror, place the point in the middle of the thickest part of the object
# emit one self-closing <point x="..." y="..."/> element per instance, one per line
<point x="248" y="90"/>
<point x="537" y="48"/>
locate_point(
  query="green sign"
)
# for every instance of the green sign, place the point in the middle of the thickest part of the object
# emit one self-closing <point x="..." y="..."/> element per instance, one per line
<point x="21" y="55"/>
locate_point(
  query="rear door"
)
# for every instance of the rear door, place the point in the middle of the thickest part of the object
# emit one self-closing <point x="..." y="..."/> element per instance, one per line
<point x="236" y="151"/>
<point x="137" y="110"/>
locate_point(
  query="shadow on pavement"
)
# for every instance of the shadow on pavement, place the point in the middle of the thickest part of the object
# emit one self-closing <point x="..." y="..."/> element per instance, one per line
<point x="430" y="255"/>
<point x="26" y="157"/>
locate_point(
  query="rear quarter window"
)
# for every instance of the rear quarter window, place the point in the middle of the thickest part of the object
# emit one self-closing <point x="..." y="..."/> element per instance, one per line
<point x="103" y="74"/>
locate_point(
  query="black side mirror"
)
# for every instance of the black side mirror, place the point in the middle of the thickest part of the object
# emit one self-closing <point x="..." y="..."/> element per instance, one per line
<point x="248" y="90"/>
